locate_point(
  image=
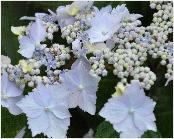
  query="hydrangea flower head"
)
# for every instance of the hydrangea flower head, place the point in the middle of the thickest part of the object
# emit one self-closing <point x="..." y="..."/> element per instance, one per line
<point x="82" y="86"/>
<point x="132" y="113"/>
<point x="37" y="33"/>
<point x="103" y="26"/>
<point x="10" y="95"/>
<point x="46" y="110"/>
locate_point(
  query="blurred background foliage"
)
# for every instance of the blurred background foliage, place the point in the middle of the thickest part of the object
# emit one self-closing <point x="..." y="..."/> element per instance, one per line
<point x="81" y="121"/>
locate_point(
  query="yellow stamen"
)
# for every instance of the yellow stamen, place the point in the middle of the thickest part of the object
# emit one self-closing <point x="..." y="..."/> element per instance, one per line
<point x="18" y="30"/>
<point x="119" y="90"/>
<point x="73" y="10"/>
<point x="25" y="67"/>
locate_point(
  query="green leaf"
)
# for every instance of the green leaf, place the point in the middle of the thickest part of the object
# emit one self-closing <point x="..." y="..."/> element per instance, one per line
<point x="105" y="130"/>
<point x="11" y="124"/>
<point x="106" y="89"/>
<point x="163" y="95"/>
<point x="151" y="134"/>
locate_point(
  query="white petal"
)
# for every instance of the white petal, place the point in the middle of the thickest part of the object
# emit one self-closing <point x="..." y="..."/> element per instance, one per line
<point x="39" y="124"/>
<point x="144" y="123"/>
<point x="73" y="100"/>
<point x="110" y="44"/>
<point x="121" y="11"/>
<point x="37" y="31"/>
<point x="27" y="47"/>
<point x="4" y="103"/>
<point x="114" y="111"/>
<point x="147" y="108"/>
<point x="10" y="104"/>
<point x="87" y="102"/>
<point x="63" y="18"/>
<point x="85" y="98"/>
<point x="57" y="128"/>
<point x="135" y="94"/>
<point x="42" y="95"/>
<point x="13" y="90"/>
<point x="85" y="78"/>
<point x="60" y="112"/>
<point x="60" y="94"/>
<point x="84" y="61"/>
<point x="30" y="107"/>
<point x="134" y="17"/>
<point x="128" y="129"/>
<point x="4" y="82"/>
<point x="103" y="26"/>
<point x="83" y="5"/>
<point x="106" y="9"/>
<point x="9" y="88"/>
<point x="71" y="80"/>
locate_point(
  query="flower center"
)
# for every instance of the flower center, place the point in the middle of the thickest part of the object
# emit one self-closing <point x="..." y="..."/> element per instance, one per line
<point x="46" y="109"/>
<point x="37" y="44"/>
<point x="104" y="32"/>
<point x="80" y="87"/>
<point x="131" y="111"/>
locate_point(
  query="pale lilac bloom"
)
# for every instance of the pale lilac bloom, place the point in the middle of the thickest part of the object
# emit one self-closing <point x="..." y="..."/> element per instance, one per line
<point x="10" y="95"/>
<point x="47" y="111"/>
<point x="132" y="113"/>
<point x="123" y="12"/>
<point x="50" y="61"/>
<point x="65" y="14"/>
<point x="82" y="87"/>
<point x="84" y="60"/>
<point x="63" y="18"/>
<point x="103" y="25"/>
<point x="78" y="47"/>
<point x="28" y="44"/>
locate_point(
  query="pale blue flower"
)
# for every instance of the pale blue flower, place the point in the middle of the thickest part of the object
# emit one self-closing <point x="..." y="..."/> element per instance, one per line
<point x="123" y="13"/>
<point x="65" y="14"/>
<point x="50" y="61"/>
<point x="47" y="111"/>
<point x="78" y="47"/>
<point x="10" y="95"/>
<point x="103" y="26"/>
<point x="28" y="44"/>
<point x="63" y="18"/>
<point x="84" y="60"/>
<point x="82" y="87"/>
<point x="132" y="113"/>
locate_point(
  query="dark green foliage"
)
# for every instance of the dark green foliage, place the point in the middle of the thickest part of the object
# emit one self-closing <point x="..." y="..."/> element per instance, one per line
<point x="151" y="134"/>
<point x="105" y="130"/>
